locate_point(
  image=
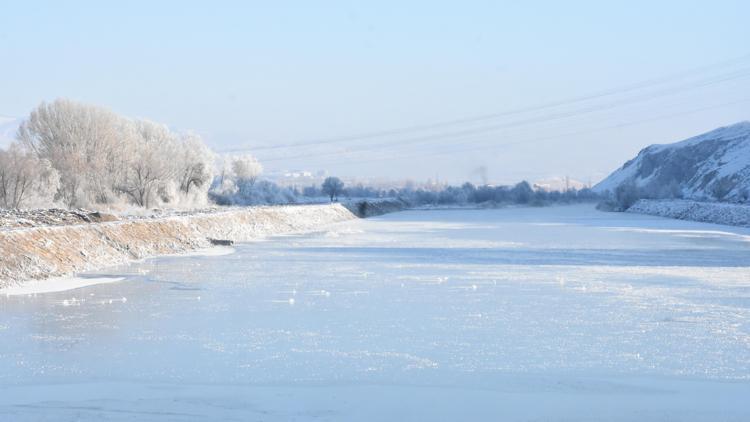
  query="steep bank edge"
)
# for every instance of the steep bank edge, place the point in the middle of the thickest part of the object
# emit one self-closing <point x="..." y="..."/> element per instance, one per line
<point x="44" y="252"/>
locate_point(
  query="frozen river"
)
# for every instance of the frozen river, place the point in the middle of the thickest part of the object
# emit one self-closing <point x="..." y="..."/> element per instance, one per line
<point x="560" y="313"/>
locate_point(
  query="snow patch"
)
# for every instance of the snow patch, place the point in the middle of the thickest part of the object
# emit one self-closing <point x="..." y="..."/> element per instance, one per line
<point x="56" y="284"/>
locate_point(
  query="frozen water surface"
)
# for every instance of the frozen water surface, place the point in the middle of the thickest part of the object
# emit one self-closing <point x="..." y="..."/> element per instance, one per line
<point x="560" y="313"/>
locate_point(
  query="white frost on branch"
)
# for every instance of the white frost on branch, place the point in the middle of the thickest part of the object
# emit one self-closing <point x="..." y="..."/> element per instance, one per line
<point x="108" y="160"/>
<point x="26" y="181"/>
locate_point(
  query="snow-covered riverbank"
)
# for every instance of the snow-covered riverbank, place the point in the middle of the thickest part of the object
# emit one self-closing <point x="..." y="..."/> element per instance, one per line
<point x="41" y="252"/>
<point x="705" y="212"/>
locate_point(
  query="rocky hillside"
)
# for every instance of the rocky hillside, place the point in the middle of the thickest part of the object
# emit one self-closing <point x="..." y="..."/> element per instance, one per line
<point x="712" y="166"/>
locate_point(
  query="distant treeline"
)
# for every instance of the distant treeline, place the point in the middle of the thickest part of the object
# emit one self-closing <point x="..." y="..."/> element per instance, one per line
<point x="521" y="193"/>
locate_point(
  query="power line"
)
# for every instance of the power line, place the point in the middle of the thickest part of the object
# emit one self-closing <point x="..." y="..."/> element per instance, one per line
<point x="529" y="121"/>
<point x="475" y="119"/>
<point x="540" y="139"/>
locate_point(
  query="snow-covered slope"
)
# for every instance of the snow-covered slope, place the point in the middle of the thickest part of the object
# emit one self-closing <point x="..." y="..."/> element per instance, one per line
<point x="8" y="128"/>
<point x="715" y="166"/>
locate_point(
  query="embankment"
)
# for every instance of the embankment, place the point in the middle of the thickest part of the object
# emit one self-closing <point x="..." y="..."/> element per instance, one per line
<point x="706" y="212"/>
<point x="50" y="251"/>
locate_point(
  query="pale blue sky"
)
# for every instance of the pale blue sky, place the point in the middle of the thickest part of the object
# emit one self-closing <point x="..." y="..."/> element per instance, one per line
<point x="249" y="74"/>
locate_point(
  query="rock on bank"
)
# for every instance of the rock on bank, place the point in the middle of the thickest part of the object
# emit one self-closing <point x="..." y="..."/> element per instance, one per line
<point x="705" y="212"/>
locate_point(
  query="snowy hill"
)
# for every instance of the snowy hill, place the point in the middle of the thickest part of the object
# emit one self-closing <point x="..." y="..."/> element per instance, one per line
<point x="559" y="184"/>
<point x="712" y="166"/>
<point x="8" y="128"/>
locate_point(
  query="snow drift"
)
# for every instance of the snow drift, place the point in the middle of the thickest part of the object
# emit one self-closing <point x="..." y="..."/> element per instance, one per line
<point x="712" y="166"/>
<point x="43" y="252"/>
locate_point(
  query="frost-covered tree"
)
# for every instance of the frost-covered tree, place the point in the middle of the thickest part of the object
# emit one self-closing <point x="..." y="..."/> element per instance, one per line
<point x="153" y="165"/>
<point x="223" y="173"/>
<point x="194" y="169"/>
<point x="166" y="168"/>
<point x="103" y="158"/>
<point x="245" y="169"/>
<point x="332" y="186"/>
<point x="25" y="181"/>
<point x="85" y="144"/>
<point x="237" y="183"/>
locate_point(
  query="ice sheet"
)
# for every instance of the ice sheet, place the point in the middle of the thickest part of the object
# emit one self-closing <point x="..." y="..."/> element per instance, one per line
<point x="561" y="313"/>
